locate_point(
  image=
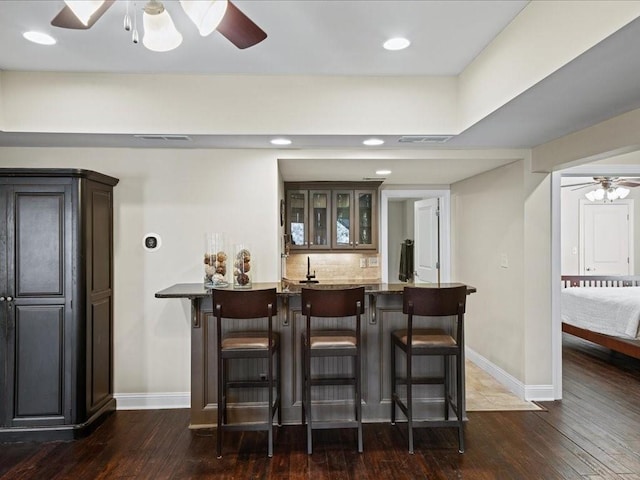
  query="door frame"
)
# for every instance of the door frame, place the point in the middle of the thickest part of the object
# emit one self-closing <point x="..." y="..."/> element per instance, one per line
<point x="556" y="252"/>
<point x="445" y="226"/>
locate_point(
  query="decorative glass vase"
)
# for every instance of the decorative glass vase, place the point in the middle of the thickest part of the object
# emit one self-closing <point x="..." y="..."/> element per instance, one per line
<point x="243" y="271"/>
<point x="215" y="261"/>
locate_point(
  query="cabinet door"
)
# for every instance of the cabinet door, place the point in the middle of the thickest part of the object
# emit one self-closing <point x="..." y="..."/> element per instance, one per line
<point x="39" y="320"/>
<point x="320" y="219"/>
<point x="4" y="398"/>
<point x="297" y="218"/>
<point x="365" y="220"/>
<point x="343" y="219"/>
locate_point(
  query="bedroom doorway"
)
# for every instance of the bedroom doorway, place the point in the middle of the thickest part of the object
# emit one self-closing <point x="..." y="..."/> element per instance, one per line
<point x="606" y="238"/>
<point x="566" y="252"/>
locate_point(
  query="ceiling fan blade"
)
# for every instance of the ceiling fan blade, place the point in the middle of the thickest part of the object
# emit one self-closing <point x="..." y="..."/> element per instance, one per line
<point x="629" y="182"/>
<point x="67" y="19"/>
<point x="240" y="29"/>
<point x="579" y="185"/>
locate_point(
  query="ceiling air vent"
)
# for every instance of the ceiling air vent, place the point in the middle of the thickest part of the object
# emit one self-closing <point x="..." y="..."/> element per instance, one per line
<point x="425" y="138"/>
<point x="171" y="138"/>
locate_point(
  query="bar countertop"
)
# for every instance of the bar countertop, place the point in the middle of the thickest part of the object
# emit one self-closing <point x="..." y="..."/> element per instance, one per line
<point x="198" y="290"/>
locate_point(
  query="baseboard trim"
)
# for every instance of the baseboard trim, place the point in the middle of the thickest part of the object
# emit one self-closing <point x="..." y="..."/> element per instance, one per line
<point x="152" y="401"/>
<point x="531" y="393"/>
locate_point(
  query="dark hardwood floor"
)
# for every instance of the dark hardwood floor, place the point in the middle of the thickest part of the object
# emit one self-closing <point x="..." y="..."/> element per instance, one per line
<point x="593" y="433"/>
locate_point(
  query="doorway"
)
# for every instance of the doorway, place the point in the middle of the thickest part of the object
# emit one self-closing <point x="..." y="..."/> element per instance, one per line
<point x="565" y="252"/>
<point x="397" y="224"/>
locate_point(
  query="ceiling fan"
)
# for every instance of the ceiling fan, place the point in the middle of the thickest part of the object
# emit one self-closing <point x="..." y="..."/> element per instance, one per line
<point x="612" y="188"/>
<point x="220" y="15"/>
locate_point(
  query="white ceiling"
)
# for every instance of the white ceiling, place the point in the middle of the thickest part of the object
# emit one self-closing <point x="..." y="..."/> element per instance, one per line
<point x="333" y="37"/>
<point x="305" y="37"/>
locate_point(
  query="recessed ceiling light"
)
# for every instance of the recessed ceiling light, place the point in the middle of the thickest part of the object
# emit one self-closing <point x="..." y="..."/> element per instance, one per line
<point x="39" y="38"/>
<point x="281" y="141"/>
<point x="383" y="172"/>
<point x="372" y="142"/>
<point x="397" y="43"/>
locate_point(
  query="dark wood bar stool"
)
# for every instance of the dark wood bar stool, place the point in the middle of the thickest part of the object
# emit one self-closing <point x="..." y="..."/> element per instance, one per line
<point x="236" y="305"/>
<point x="430" y="302"/>
<point x="344" y="305"/>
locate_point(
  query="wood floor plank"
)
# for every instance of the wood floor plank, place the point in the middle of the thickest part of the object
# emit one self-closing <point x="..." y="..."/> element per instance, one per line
<point x="590" y="434"/>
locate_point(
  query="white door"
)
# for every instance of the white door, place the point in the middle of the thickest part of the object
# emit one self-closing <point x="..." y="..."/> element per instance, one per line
<point x="427" y="243"/>
<point x="606" y="235"/>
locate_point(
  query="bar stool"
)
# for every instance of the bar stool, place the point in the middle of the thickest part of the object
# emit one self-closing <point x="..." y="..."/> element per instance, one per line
<point x="340" y="304"/>
<point x="430" y="302"/>
<point x="244" y="305"/>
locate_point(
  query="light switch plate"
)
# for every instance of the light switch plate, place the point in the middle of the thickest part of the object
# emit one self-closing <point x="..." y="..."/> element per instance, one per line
<point x="363" y="263"/>
<point x="504" y="261"/>
<point x="372" y="261"/>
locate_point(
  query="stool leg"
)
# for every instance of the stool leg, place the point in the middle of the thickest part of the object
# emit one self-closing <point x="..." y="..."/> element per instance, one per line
<point x="445" y="366"/>
<point x="359" y="399"/>
<point x="459" y="400"/>
<point x="279" y="386"/>
<point x="309" y="406"/>
<point x="220" y="406"/>
<point x="393" y="382"/>
<point x="270" y="409"/>
<point x="304" y="381"/>
<point x="409" y="399"/>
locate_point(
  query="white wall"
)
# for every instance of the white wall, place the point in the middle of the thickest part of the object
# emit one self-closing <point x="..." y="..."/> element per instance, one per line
<point x="179" y="194"/>
<point x="224" y="104"/>
<point x="488" y="222"/>
<point x="396" y="228"/>
<point x="501" y="245"/>
<point x="400" y="227"/>
<point x="544" y="37"/>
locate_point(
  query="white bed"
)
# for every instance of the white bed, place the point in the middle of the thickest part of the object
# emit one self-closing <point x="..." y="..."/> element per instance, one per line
<point x="611" y="311"/>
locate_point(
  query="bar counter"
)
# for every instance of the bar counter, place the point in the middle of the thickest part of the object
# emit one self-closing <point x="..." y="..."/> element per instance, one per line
<point x="383" y="314"/>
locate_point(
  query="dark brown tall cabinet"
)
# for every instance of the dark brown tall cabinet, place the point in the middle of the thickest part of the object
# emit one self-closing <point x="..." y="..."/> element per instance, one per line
<point x="56" y="302"/>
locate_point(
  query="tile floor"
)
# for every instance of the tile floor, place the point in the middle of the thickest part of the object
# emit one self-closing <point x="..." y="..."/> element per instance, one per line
<point x="485" y="393"/>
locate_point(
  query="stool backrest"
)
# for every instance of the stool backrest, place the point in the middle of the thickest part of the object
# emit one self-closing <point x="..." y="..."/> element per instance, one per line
<point x="245" y="303"/>
<point x="434" y="302"/>
<point x="333" y="303"/>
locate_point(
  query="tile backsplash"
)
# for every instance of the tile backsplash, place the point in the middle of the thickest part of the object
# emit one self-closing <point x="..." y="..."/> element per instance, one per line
<point x="334" y="266"/>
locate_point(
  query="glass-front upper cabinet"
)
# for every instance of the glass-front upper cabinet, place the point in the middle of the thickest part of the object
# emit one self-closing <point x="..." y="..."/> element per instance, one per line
<point x="356" y="219"/>
<point x="320" y="219"/>
<point x="297" y="218"/>
<point x="343" y="216"/>
<point x="365" y="219"/>
<point x="332" y="216"/>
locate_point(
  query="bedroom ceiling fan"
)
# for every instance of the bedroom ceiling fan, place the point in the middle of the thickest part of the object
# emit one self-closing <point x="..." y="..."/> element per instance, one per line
<point x="160" y="34"/>
<point x="609" y="188"/>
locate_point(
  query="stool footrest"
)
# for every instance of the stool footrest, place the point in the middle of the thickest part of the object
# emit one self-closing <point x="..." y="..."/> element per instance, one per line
<point x="421" y="380"/>
<point x="326" y="425"/>
<point x="325" y="381"/>
<point x="250" y="384"/>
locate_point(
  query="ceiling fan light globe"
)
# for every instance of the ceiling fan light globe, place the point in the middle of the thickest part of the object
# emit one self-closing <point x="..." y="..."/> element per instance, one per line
<point x="622" y="192"/>
<point x="591" y="196"/>
<point x="599" y="193"/>
<point x="84" y="9"/>
<point x="160" y="34"/>
<point x="206" y="15"/>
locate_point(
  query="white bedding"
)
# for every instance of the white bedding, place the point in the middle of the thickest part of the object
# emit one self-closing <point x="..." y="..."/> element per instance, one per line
<point x="609" y="310"/>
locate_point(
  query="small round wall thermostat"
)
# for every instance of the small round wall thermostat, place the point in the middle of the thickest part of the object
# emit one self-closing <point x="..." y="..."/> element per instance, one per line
<point x="151" y="242"/>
